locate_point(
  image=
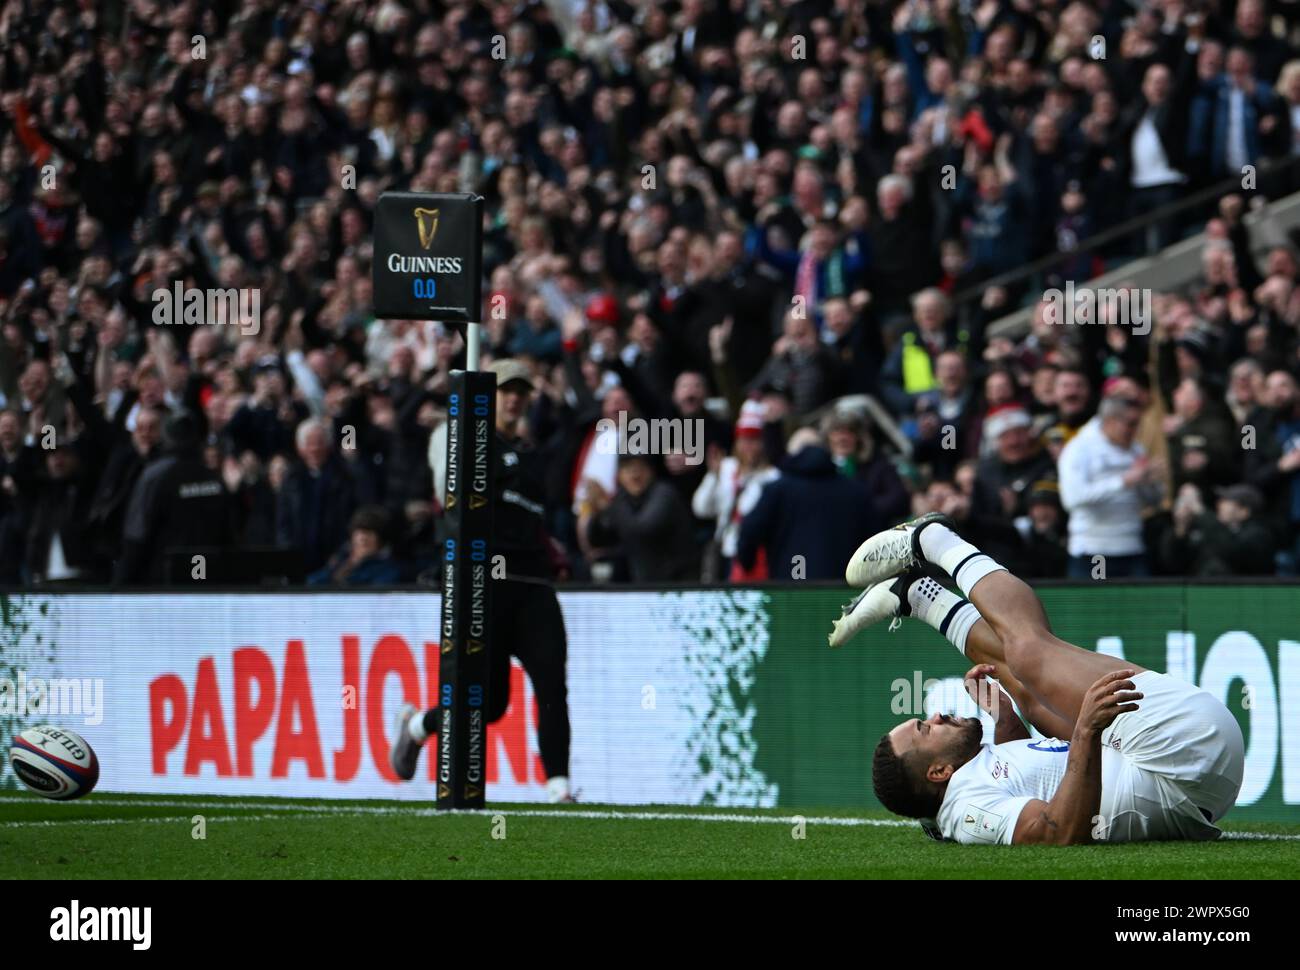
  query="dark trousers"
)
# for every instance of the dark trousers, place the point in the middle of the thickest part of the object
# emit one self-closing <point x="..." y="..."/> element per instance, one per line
<point x="527" y="623"/>
<point x="1117" y="567"/>
<point x="1163" y="232"/>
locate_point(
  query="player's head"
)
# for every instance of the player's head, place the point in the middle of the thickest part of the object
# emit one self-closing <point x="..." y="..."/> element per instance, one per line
<point x="914" y="761"/>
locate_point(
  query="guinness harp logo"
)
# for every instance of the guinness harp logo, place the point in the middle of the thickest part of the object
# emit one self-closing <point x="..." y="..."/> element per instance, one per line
<point x="426" y="221"/>
<point x="477" y="501"/>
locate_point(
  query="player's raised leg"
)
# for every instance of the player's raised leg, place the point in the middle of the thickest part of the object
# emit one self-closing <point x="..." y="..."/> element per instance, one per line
<point x="1057" y="672"/>
<point x="921" y="597"/>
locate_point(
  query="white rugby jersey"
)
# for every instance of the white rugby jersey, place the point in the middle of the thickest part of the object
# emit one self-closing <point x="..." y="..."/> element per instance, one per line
<point x="986" y="795"/>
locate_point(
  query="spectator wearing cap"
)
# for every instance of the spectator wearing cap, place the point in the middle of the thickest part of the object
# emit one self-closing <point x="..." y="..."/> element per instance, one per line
<point x="1043" y="529"/>
<point x="264" y="423"/>
<point x="59" y="543"/>
<point x="731" y="489"/>
<point x="366" y="559"/>
<point x="1233" y="541"/>
<point x="178" y="504"/>
<point x="810" y="519"/>
<point x="644" y="523"/>
<point x="855" y="452"/>
<point x="316" y="501"/>
<point x="1106" y="483"/>
<point x="1003" y="479"/>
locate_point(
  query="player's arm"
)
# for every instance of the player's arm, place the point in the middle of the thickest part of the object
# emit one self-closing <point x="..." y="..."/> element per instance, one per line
<point x="994" y="701"/>
<point x="1068" y="818"/>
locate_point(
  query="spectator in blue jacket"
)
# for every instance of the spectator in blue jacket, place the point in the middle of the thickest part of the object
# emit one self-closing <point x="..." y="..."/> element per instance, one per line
<point x="811" y="519"/>
<point x="365" y="559"/>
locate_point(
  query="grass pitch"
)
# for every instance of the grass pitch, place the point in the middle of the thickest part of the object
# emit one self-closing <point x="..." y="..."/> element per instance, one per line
<point x="112" y="836"/>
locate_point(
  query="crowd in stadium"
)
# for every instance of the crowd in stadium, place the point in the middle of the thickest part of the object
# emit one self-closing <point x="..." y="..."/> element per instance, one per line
<point x="751" y="213"/>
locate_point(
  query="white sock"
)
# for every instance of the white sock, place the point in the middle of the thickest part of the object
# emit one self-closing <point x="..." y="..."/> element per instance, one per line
<point x="957" y="557"/>
<point x="950" y="614"/>
<point x="557" y="788"/>
<point x="415" y="728"/>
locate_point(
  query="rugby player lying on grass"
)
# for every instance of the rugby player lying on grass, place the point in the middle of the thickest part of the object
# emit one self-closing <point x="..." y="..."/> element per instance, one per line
<point x="1129" y="754"/>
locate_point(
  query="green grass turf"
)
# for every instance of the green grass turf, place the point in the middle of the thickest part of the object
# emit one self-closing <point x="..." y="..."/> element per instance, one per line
<point x="112" y="836"/>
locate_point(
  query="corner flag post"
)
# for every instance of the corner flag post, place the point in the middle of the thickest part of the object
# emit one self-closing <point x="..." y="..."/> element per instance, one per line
<point x="428" y="258"/>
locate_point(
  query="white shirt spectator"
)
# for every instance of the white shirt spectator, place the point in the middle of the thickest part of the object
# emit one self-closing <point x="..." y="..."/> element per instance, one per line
<point x="1150" y="163"/>
<point x="1105" y="514"/>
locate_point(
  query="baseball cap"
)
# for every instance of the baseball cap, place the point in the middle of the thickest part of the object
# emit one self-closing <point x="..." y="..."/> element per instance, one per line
<point x="751" y="420"/>
<point x="602" y="308"/>
<point x="1044" y="490"/>
<point x="268" y="362"/>
<point x="508" y="370"/>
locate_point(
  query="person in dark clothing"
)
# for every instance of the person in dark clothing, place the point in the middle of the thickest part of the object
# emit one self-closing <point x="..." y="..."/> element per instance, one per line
<point x="122" y="469"/>
<point x="19" y="467"/>
<point x="856" y="455"/>
<point x="365" y="560"/>
<point x="317" y="499"/>
<point x="647" y="520"/>
<point x="178" y="503"/>
<point x="1003" y="479"/>
<point x="264" y="424"/>
<point x="811" y="519"/>
<point x="1044" y="533"/>
<point x="526" y="621"/>
<point x="58" y="538"/>
<point x="1232" y="541"/>
<point x="1273" y="466"/>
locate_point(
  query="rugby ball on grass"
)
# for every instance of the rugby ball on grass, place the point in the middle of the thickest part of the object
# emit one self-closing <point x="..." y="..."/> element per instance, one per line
<point x="54" y="762"/>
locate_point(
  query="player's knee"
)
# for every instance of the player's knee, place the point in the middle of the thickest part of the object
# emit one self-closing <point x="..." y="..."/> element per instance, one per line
<point x="1024" y="652"/>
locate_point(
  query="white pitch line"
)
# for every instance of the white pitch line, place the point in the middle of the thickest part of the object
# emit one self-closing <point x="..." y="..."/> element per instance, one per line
<point x="359" y="811"/>
<point x="300" y="811"/>
<point x="150" y="820"/>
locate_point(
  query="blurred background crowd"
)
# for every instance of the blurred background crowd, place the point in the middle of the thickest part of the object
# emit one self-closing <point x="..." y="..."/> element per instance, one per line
<point x="768" y="216"/>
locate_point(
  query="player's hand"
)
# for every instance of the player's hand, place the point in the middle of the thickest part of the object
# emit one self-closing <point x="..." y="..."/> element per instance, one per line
<point x="986" y="695"/>
<point x="1112" y="695"/>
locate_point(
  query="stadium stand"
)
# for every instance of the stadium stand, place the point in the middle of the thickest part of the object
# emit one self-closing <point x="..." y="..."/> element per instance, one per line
<point x="760" y="216"/>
